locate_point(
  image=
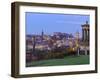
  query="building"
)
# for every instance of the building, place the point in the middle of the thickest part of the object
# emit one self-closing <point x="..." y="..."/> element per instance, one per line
<point x="85" y="38"/>
<point x="85" y="32"/>
<point x="42" y="35"/>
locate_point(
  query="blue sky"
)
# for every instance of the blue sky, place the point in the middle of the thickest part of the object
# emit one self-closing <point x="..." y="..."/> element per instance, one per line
<point x="49" y="23"/>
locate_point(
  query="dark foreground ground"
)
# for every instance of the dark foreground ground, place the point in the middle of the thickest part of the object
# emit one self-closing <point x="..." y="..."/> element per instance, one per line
<point x="68" y="60"/>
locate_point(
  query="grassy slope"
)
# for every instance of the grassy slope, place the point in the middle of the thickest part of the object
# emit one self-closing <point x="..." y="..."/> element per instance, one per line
<point x="70" y="60"/>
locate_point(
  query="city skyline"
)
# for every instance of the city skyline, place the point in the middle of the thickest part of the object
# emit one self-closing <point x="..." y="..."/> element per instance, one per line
<point x="50" y="23"/>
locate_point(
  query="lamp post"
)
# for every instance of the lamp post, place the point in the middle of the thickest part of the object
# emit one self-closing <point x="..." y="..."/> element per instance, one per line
<point x="77" y="43"/>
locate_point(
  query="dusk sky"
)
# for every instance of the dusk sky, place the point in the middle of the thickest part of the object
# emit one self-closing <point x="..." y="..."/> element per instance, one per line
<point x="49" y="23"/>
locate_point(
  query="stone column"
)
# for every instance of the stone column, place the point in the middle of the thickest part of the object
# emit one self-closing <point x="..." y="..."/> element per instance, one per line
<point x="84" y="34"/>
<point x="88" y="34"/>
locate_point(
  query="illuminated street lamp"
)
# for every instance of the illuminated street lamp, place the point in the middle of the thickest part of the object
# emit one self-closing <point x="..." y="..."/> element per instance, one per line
<point x="70" y="43"/>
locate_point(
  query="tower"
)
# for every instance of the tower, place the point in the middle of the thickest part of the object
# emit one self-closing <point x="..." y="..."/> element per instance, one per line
<point x="77" y="39"/>
<point x="42" y="34"/>
<point x="85" y="32"/>
<point x="77" y="43"/>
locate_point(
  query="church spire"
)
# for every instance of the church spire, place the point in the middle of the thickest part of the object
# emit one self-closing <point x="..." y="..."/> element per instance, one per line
<point x="42" y="34"/>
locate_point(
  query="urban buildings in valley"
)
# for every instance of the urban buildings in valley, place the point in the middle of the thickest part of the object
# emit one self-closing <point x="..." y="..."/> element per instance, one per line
<point x="45" y="42"/>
